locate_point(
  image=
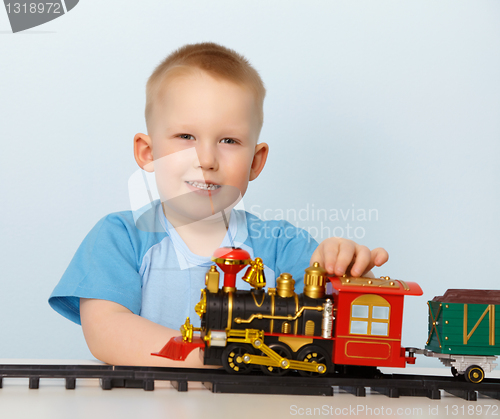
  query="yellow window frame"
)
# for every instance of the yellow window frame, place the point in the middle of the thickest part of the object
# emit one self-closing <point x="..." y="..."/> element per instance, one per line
<point x="370" y="300"/>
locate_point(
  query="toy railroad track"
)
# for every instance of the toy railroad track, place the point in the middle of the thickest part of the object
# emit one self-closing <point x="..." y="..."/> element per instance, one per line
<point x="218" y="381"/>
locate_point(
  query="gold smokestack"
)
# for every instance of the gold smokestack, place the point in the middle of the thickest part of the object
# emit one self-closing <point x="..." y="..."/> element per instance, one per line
<point x="314" y="281"/>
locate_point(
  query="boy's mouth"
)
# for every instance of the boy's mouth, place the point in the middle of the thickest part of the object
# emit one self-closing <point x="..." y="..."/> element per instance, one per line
<point x="203" y="186"/>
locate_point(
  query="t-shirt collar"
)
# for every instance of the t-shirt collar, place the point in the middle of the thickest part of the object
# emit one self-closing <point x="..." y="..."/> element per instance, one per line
<point x="181" y="247"/>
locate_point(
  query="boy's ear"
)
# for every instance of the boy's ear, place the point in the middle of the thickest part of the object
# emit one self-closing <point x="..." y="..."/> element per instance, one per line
<point x="143" y="152"/>
<point x="259" y="160"/>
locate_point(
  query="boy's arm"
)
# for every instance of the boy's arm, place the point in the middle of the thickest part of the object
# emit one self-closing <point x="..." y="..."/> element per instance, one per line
<point x="117" y="336"/>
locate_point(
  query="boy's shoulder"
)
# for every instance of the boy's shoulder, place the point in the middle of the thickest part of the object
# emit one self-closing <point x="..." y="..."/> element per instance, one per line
<point x="272" y="230"/>
<point x="128" y="227"/>
<point x="123" y="234"/>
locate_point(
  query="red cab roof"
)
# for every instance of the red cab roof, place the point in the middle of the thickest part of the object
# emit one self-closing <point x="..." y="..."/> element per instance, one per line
<point x="383" y="285"/>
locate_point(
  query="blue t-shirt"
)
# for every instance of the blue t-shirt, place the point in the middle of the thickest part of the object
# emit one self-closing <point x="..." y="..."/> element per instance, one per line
<point x="147" y="267"/>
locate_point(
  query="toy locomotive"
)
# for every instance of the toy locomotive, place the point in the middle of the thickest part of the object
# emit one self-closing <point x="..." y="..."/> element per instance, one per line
<point x="357" y="323"/>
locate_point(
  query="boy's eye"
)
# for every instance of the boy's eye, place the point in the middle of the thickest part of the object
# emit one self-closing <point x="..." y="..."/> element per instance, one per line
<point x="186" y="136"/>
<point x="228" y="141"/>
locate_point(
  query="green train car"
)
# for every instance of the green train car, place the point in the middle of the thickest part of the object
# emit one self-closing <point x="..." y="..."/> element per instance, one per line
<point x="464" y="331"/>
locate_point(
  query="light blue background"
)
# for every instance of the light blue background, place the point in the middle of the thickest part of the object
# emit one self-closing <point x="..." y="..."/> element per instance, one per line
<point x="385" y="105"/>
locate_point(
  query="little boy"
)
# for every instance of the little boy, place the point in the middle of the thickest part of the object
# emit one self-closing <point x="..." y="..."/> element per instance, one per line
<point x="131" y="284"/>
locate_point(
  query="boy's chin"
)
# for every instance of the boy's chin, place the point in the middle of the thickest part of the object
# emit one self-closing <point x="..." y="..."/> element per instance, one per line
<point x="179" y="217"/>
<point x="192" y="207"/>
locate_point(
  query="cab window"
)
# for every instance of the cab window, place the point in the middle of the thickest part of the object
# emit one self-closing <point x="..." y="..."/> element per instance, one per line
<point x="370" y="315"/>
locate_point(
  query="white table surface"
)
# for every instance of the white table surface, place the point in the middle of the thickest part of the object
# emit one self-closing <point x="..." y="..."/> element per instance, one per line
<point x="88" y="400"/>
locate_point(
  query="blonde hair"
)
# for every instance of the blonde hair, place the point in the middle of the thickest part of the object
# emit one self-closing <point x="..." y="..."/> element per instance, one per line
<point x="216" y="60"/>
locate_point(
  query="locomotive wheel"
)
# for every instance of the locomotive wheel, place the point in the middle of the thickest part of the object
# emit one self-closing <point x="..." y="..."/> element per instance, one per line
<point x="312" y="353"/>
<point x="474" y="374"/>
<point x="232" y="358"/>
<point x="283" y="351"/>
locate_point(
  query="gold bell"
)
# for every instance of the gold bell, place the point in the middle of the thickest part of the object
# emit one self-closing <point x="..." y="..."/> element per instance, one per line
<point x="255" y="274"/>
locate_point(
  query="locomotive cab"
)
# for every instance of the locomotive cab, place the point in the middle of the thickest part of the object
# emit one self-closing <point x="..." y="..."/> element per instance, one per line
<point x="369" y="321"/>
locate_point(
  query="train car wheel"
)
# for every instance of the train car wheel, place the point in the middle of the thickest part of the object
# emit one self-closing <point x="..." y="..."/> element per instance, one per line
<point x="311" y="353"/>
<point x="283" y="351"/>
<point x="474" y="374"/>
<point x="232" y="358"/>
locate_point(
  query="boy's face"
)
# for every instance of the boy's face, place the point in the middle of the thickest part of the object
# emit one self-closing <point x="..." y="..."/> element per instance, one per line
<point x="203" y="140"/>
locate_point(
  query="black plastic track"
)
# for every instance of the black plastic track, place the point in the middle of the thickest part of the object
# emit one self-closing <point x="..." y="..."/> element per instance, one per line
<point x="218" y="381"/>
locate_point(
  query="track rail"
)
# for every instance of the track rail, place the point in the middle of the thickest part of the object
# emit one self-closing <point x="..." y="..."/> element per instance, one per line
<point x="218" y="381"/>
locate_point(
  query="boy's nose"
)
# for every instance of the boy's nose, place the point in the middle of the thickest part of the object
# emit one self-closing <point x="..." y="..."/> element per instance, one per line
<point x="207" y="157"/>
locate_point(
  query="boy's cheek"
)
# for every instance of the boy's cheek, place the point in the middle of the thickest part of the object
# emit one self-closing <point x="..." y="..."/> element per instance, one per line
<point x="170" y="171"/>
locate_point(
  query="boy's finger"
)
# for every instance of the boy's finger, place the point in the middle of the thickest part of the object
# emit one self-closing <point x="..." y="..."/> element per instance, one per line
<point x="317" y="256"/>
<point x="345" y="257"/>
<point x="379" y="256"/>
<point x="362" y="262"/>
<point x="331" y="251"/>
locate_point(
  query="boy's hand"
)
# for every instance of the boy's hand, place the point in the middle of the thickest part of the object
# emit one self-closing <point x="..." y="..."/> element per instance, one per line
<point x="336" y="254"/>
